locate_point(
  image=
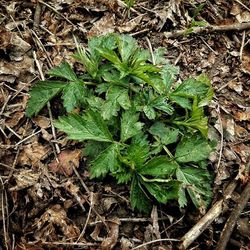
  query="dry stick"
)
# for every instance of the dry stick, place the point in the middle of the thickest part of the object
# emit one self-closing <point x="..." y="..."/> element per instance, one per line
<point x="242" y="44"/>
<point x="243" y="5"/>
<point x="89" y="193"/>
<point x="152" y="242"/>
<point x="3" y="213"/>
<point x="209" y="29"/>
<point x="229" y="226"/>
<point x="218" y="168"/>
<point x="48" y="105"/>
<point x="207" y="219"/>
<point x="57" y="243"/>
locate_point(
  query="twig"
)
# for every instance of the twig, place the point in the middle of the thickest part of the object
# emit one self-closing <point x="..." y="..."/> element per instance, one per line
<point x="209" y="29"/>
<point x="57" y="243"/>
<point x="3" y="213"/>
<point x="207" y="219"/>
<point x="27" y="138"/>
<point x="57" y="12"/>
<point x="229" y="226"/>
<point x="122" y="4"/>
<point x="88" y="218"/>
<point x="152" y="242"/>
<point x="242" y="44"/>
<point x="89" y="193"/>
<point x="243" y="5"/>
<point x="221" y="146"/>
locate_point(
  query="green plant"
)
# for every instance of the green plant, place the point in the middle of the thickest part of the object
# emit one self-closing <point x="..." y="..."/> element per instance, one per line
<point x="137" y="123"/>
<point x="194" y="22"/>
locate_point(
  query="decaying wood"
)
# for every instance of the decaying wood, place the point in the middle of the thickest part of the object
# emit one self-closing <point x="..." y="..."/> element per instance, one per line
<point x="230" y="224"/>
<point x="207" y="219"/>
<point x="209" y="29"/>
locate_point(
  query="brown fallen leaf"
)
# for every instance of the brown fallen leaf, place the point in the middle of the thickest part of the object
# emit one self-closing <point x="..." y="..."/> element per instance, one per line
<point x="55" y="217"/>
<point x="130" y="25"/>
<point x="41" y="121"/>
<point x="103" y="26"/>
<point x="111" y="240"/>
<point x="242" y="116"/>
<point x="32" y="154"/>
<point x="245" y="64"/>
<point x="24" y="179"/>
<point x="67" y="159"/>
<point x="14" y="118"/>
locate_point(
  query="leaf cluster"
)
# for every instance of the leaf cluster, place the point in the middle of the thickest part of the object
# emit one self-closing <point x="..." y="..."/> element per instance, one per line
<point x="138" y="124"/>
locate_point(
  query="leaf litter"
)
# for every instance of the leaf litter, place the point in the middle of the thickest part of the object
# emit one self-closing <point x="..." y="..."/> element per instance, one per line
<point x="32" y="157"/>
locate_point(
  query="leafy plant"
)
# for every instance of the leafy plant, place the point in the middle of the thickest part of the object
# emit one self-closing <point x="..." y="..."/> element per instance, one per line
<point x="137" y="123"/>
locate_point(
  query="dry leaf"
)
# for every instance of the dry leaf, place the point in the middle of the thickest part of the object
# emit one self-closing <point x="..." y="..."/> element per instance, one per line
<point x="24" y="179"/>
<point x="41" y="121"/>
<point x="54" y="218"/>
<point x="14" y="119"/>
<point x="111" y="240"/>
<point x="131" y="25"/>
<point x="32" y="154"/>
<point x="103" y="26"/>
<point x="67" y="159"/>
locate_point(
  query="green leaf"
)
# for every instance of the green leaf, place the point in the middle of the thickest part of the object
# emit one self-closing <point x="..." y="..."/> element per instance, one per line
<point x="64" y="71"/>
<point x="127" y="46"/>
<point x="197" y="120"/>
<point x="137" y="152"/>
<point x="138" y="197"/>
<point x="163" y="133"/>
<point x="92" y="149"/>
<point x="181" y="101"/>
<point x="123" y="176"/>
<point x="130" y="125"/>
<point x="159" y="166"/>
<point x="72" y="95"/>
<point x="41" y="94"/>
<point x="163" y="192"/>
<point x="149" y="112"/>
<point x="191" y="88"/>
<point x="87" y="127"/>
<point x="169" y="73"/>
<point x="105" y="162"/>
<point x="116" y="97"/>
<point x="197" y="182"/>
<point x="193" y="149"/>
<point x="205" y="100"/>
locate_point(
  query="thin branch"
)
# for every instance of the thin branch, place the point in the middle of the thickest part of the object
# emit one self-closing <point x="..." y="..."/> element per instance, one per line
<point x="209" y="29"/>
<point x="154" y="241"/>
<point x="207" y="219"/>
<point x="229" y="226"/>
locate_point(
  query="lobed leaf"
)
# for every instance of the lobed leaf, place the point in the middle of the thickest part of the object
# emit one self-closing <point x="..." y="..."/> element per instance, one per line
<point x="41" y="94"/>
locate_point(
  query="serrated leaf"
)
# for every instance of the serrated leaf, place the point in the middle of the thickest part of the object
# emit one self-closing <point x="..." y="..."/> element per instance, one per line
<point x="193" y="149"/>
<point x="149" y="112"/>
<point x="130" y="125"/>
<point x="197" y="182"/>
<point x="41" y="94"/>
<point x="163" y="192"/>
<point x="169" y="73"/>
<point x="197" y="120"/>
<point x="92" y="149"/>
<point x="87" y="127"/>
<point x="159" y="55"/>
<point x="116" y="97"/>
<point x="105" y="162"/>
<point x="127" y="46"/>
<point x="138" y="151"/>
<point x="138" y="198"/>
<point x="123" y="175"/>
<point x="163" y="133"/>
<point x="159" y="166"/>
<point x="181" y="101"/>
<point x="72" y="95"/>
<point x="63" y="71"/>
<point x="191" y="88"/>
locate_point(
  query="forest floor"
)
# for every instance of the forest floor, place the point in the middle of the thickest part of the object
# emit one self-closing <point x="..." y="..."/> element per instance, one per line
<point x="42" y="208"/>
